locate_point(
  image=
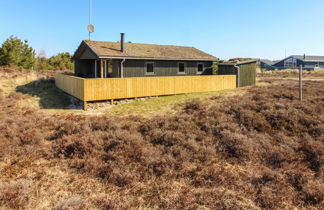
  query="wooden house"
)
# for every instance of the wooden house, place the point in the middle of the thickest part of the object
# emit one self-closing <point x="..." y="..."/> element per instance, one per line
<point x="296" y="61"/>
<point x="266" y="64"/>
<point x="97" y="59"/>
<point x="119" y="70"/>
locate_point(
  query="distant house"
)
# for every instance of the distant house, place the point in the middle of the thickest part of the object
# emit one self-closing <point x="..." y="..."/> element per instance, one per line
<point x="266" y="64"/>
<point x="295" y="61"/>
<point x="97" y="59"/>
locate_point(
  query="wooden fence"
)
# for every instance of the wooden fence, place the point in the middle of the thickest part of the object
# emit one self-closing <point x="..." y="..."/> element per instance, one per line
<point x="71" y="85"/>
<point x="117" y="88"/>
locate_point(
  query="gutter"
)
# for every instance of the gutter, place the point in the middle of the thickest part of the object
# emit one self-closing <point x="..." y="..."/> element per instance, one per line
<point x="122" y="68"/>
<point x="154" y="58"/>
<point x="238" y="75"/>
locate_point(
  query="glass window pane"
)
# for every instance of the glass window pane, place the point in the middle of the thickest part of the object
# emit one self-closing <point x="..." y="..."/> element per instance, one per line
<point x="200" y="67"/>
<point x="110" y="67"/>
<point x="150" y="68"/>
<point x="181" y="68"/>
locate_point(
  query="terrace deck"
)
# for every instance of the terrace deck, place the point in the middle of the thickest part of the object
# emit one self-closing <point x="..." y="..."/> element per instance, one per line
<point x="99" y="89"/>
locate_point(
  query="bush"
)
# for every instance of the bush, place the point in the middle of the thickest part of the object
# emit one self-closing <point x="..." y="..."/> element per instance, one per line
<point x="15" y="52"/>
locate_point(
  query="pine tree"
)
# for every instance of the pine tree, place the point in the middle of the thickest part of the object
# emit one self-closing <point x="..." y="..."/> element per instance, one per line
<point x="61" y="61"/>
<point x="15" y="52"/>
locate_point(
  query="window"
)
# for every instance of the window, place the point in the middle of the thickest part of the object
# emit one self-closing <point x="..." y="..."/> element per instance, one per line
<point x="97" y="69"/>
<point x="110" y="67"/>
<point x="181" y="68"/>
<point x="149" y="68"/>
<point x="200" y="68"/>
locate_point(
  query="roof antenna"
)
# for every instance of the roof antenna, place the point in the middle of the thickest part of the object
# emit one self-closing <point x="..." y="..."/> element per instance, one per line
<point x="90" y="26"/>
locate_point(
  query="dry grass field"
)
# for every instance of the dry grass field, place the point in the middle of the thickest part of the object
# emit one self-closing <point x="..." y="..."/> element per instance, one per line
<point x="292" y="74"/>
<point x="253" y="148"/>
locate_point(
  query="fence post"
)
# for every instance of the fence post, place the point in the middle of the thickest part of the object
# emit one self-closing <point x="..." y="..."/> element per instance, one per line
<point x="101" y="68"/>
<point x="300" y="83"/>
<point x="84" y="106"/>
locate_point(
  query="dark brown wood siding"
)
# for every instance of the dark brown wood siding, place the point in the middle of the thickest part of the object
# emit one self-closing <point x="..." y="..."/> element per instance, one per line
<point x="137" y="68"/>
<point x="84" y="68"/>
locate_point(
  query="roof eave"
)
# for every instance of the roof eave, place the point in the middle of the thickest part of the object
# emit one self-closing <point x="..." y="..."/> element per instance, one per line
<point x="92" y="50"/>
<point x="87" y="45"/>
<point x="238" y="63"/>
<point x="313" y="60"/>
<point x="155" y="58"/>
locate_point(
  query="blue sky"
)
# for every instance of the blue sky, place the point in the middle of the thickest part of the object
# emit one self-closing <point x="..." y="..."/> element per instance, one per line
<point x="224" y="28"/>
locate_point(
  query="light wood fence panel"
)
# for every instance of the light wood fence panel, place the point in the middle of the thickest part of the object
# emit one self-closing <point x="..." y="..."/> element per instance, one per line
<point x="71" y="85"/>
<point x="118" y="88"/>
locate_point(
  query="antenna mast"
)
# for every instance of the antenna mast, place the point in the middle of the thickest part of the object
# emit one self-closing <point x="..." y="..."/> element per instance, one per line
<point x="90" y="26"/>
<point x="89" y="11"/>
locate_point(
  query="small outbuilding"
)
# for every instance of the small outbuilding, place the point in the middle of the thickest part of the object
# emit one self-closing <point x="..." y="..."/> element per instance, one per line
<point x="98" y="59"/>
<point x="245" y="71"/>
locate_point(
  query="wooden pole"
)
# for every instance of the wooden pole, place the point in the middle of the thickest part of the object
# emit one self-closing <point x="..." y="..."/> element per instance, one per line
<point x="84" y="106"/>
<point x="106" y="68"/>
<point x="301" y="83"/>
<point x="95" y="74"/>
<point x="101" y="68"/>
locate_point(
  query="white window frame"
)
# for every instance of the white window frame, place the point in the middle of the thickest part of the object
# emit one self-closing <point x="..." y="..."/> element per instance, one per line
<point x="149" y="73"/>
<point x="203" y="68"/>
<point x="185" y="66"/>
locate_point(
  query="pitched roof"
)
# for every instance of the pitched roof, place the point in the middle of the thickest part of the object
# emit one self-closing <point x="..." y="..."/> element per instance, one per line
<point x="232" y="63"/>
<point x="266" y="61"/>
<point x="147" y="51"/>
<point x="309" y="58"/>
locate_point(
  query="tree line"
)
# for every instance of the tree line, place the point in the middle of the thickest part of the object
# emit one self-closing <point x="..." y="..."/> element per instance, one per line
<point x="15" y="52"/>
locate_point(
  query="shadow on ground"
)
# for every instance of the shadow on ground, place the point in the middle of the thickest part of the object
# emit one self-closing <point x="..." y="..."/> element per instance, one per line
<point x="50" y="96"/>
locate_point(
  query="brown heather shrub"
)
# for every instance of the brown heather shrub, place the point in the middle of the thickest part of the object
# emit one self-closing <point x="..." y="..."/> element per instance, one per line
<point x="15" y="194"/>
<point x="1" y="94"/>
<point x="313" y="193"/>
<point x="263" y="149"/>
<point x="117" y="203"/>
<point x="314" y="154"/>
<point x="290" y="73"/>
<point x="235" y="145"/>
<point x="71" y="203"/>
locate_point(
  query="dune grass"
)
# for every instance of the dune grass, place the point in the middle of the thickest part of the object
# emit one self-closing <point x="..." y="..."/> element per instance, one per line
<point x="162" y="104"/>
<point x="44" y="94"/>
